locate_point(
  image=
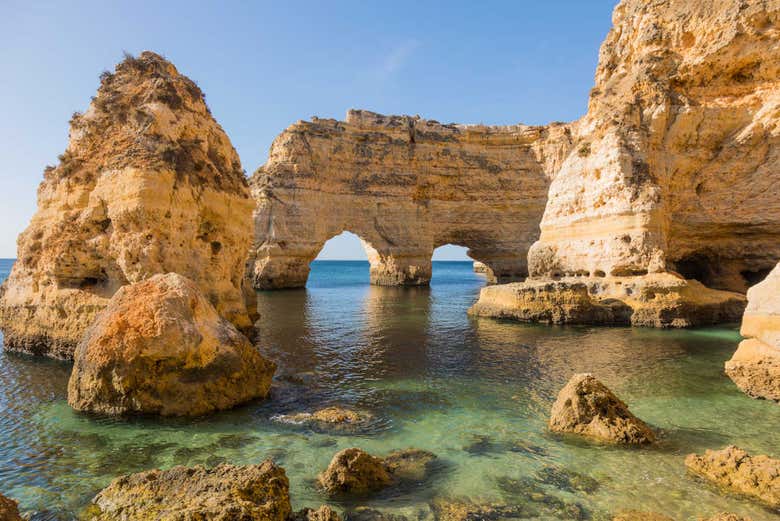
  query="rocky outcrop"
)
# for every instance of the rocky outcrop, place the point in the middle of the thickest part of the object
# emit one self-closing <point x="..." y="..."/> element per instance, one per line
<point x="324" y="513"/>
<point x="755" y="367"/>
<point x="357" y="473"/>
<point x="405" y="185"/>
<point x="654" y="300"/>
<point x="673" y="169"/>
<point x="587" y="407"/>
<point x="149" y="183"/>
<point x="9" y="510"/>
<point x="226" y="492"/>
<point x="330" y="419"/>
<point x="735" y="470"/>
<point x="161" y="348"/>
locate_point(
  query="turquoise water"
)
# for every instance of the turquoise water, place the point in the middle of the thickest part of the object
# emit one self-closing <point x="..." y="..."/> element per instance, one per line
<point x="474" y="391"/>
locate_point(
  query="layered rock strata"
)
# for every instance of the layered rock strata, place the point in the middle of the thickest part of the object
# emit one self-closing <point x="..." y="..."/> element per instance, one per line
<point x="673" y="169"/>
<point x="161" y="348"/>
<point x="149" y="183"/>
<point x="737" y="471"/>
<point x="755" y="367"/>
<point x="405" y="186"/>
<point x="587" y="407"/>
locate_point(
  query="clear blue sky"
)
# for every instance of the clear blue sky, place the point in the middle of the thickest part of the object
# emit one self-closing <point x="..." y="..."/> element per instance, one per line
<point x="264" y="65"/>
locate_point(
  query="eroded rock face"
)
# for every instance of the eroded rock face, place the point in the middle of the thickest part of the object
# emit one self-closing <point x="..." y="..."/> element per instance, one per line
<point x="586" y="406"/>
<point x="149" y="183"/>
<point x="654" y="300"/>
<point x="675" y="166"/>
<point x="226" y="493"/>
<point x="357" y="473"/>
<point x="405" y="186"/>
<point x="755" y="367"/>
<point x="734" y="469"/>
<point x="9" y="510"/>
<point x="161" y="348"/>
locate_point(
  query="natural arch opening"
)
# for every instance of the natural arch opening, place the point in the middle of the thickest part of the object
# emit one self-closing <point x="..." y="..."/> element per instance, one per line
<point x="344" y="257"/>
<point x="451" y="263"/>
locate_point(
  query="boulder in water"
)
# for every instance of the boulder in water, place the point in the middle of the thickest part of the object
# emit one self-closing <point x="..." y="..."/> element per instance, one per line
<point x="587" y="407"/>
<point x="737" y="471"/>
<point x="161" y="348"/>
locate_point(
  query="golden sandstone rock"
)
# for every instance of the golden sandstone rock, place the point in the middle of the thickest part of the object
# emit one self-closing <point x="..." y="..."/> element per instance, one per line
<point x="225" y="493"/>
<point x="737" y="471"/>
<point x="149" y="183"/>
<point x="755" y="367"/>
<point x="161" y="348"/>
<point x="587" y="407"/>
<point x="9" y="510"/>
<point x="405" y="185"/>
<point x="673" y="169"/>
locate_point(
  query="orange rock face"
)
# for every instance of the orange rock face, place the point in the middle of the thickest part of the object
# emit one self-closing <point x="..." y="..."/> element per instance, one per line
<point x="149" y="183"/>
<point x="161" y="348"/>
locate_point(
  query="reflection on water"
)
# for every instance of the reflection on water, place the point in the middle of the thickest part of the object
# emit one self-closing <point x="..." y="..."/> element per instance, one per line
<point x="474" y="391"/>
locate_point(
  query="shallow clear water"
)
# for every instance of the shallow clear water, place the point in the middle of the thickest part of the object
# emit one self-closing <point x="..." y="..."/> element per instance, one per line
<point x="474" y="391"/>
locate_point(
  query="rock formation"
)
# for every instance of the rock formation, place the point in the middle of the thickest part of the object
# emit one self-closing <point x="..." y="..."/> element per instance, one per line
<point x="227" y="492"/>
<point x="673" y="169"/>
<point x="405" y="185"/>
<point x="586" y="406"/>
<point x="9" y="510"/>
<point x="755" y="367"/>
<point x="149" y="183"/>
<point x="161" y="348"/>
<point x="735" y="470"/>
<point x="357" y="473"/>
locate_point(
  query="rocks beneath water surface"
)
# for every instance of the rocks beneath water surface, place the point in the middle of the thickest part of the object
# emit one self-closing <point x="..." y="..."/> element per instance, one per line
<point x="737" y="471"/>
<point x="356" y="472"/>
<point x="161" y="348"/>
<point x="637" y="515"/>
<point x="587" y="407"/>
<point x="339" y="419"/>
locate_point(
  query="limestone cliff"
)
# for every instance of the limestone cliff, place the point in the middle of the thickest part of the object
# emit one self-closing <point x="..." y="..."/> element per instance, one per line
<point x="149" y="183"/>
<point x="405" y="186"/>
<point x="676" y="166"/>
<point x="755" y="367"/>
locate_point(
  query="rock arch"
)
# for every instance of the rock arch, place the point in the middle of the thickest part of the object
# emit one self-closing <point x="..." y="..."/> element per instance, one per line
<point x="406" y="186"/>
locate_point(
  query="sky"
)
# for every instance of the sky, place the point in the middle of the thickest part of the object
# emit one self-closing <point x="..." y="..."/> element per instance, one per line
<point x="265" y="65"/>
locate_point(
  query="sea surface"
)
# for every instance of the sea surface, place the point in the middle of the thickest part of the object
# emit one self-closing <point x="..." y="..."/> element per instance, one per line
<point x="477" y="392"/>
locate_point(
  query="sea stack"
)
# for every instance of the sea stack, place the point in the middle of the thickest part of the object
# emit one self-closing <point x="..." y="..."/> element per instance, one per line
<point x="149" y="183"/>
<point x="669" y="200"/>
<point x="161" y="348"/>
<point x="755" y="367"/>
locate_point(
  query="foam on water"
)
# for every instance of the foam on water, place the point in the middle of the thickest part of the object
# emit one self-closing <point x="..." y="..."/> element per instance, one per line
<point x="474" y="391"/>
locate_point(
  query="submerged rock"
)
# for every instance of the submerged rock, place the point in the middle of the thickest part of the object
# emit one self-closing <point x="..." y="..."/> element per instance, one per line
<point x="9" y="510"/>
<point x="586" y="406"/>
<point x="355" y="472"/>
<point x="737" y="471"/>
<point x="225" y="493"/>
<point x="148" y="184"/>
<point x="466" y="510"/>
<point x="161" y="348"/>
<point x="324" y="513"/>
<point x="330" y="418"/>
<point x="755" y="367"/>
